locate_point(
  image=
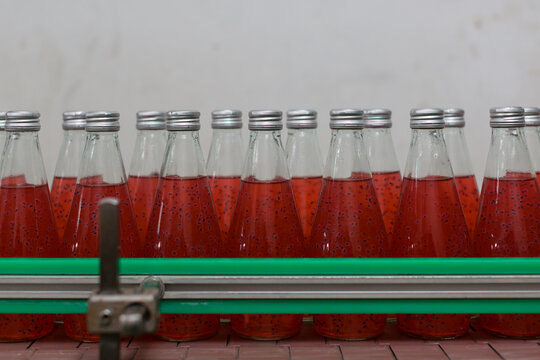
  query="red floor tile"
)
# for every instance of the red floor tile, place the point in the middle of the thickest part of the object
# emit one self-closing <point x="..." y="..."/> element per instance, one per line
<point x="420" y="351"/>
<point x="367" y="352"/>
<point x="478" y="351"/>
<point x="261" y="353"/>
<point x="160" y="354"/>
<point x="316" y="353"/>
<point x="50" y="354"/>
<point x="517" y="351"/>
<point x="213" y="354"/>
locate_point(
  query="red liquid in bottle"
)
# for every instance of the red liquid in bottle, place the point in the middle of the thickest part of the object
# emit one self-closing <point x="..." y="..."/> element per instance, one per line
<point x="306" y="192"/>
<point x="142" y="191"/>
<point x="538" y="176"/>
<point x="82" y="230"/>
<point x="348" y="224"/>
<point x="28" y="230"/>
<point x="224" y="191"/>
<point x="388" y="190"/>
<point x="508" y="226"/>
<point x="266" y="224"/>
<point x="431" y="224"/>
<point x="62" y="191"/>
<point x="183" y="224"/>
<point x="468" y="195"/>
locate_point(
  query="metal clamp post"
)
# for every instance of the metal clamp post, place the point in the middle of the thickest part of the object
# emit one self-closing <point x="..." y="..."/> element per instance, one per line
<point x="112" y="311"/>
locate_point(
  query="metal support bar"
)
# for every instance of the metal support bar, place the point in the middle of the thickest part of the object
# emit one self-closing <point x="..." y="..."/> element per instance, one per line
<point x="287" y="287"/>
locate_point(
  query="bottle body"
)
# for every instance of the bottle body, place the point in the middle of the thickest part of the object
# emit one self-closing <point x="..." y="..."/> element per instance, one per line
<point x="26" y="222"/>
<point x="532" y="135"/>
<point x="101" y="175"/>
<point x="305" y="166"/>
<point x="509" y="219"/>
<point x="348" y="223"/>
<point x="385" y="172"/>
<point x="430" y="223"/>
<point x="183" y="223"/>
<point x="463" y="174"/>
<point x="265" y="224"/>
<point x="65" y="176"/>
<point x="144" y="175"/>
<point x="224" y="169"/>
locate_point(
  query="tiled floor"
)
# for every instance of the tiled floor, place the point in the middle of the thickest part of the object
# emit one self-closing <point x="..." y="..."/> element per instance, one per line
<point x="477" y="345"/>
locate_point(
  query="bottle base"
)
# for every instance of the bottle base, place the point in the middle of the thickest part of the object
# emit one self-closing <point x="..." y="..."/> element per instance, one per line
<point x="185" y="339"/>
<point x="266" y="338"/>
<point x="512" y="336"/>
<point x="352" y="339"/>
<point x="434" y="337"/>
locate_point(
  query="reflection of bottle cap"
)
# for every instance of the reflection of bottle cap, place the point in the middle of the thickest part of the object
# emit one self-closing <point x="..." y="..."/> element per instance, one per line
<point x="454" y="117"/>
<point x="377" y="118"/>
<point x="2" y="120"/>
<point x="427" y="118"/>
<point x="265" y="120"/>
<point x="74" y="120"/>
<point x="22" y="121"/>
<point x="226" y="119"/>
<point x="346" y="119"/>
<point x="506" y="117"/>
<point x="150" y="120"/>
<point x="183" y="120"/>
<point x="301" y="119"/>
<point x="102" y="121"/>
<point x="532" y="116"/>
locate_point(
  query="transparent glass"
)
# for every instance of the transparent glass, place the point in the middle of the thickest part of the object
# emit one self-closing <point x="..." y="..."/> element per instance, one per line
<point x="306" y="167"/>
<point x="101" y="175"/>
<point x="509" y="219"/>
<point x="348" y="223"/>
<point x="430" y="223"/>
<point x="385" y="171"/>
<point x="2" y="142"/>
<point x="183" y="223"/>
<point x="65" y="176"/>
<point x="458" y="153"/>
<point x="265" y="224"/>
<point x="532" y="135"/>
<point x="144" y="174"/>
<point x="27" y="223"/>
<point x="224" y="169"/>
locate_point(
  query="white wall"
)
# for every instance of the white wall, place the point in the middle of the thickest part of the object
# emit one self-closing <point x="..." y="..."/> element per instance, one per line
<point x="246" y="54"/>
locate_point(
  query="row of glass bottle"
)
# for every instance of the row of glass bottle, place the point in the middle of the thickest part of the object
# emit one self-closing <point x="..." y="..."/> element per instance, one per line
<point x="266" y="201"/>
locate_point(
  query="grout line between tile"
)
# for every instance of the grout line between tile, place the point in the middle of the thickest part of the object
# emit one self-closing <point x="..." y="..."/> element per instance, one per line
<point x="392" y="351"/>
<point x="444" y="352"/>
<point x="32" y="343"/>
<point x="340" y="352"/>
<point x="496" y="352"/>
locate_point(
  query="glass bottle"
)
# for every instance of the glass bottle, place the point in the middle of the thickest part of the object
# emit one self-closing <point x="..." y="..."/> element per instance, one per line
<point x="183" y="221"/>
<point x="383" y="162"/>
<point x="2" y="132"/>
<point x="146" y="165"/>
<point x="509" y="213"/>
<point x="67" y="167"/>
<point x="27" y="227"/>
<point x="430" y="221"/>
<point x="101" y="175"/>
<point x="532" y="135"/>
<point x="223" y="166"/>
<point x="265" y="222"/>
<point x="305" y="164"/>
<point x="458" y="152"/>
<point x="348" y="222"/>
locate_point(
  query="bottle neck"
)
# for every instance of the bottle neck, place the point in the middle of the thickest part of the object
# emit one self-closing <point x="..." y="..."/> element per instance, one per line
<point x="380" y="150"/>
<point x="508" y="154"/>
<point x="427" y="156"/>
<point x="303" y="153"/>
<point x="532" y="135"/>
<point x="265" y="159"/>
<point x="458" y="151"/>
<point x="183" y="157"/>
<point x="226" y="150"/>
<point x="346" y="156"/>
<point x="69" y="157"/>
<point x="148" y="154"/>
<point x="22" y="163"/>
<point x="101" y="160"/>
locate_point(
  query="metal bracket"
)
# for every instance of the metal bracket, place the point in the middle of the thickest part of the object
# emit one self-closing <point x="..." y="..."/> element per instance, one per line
<point x="112" y="311"/>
